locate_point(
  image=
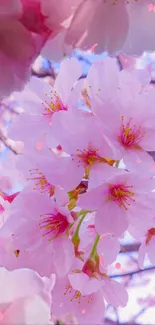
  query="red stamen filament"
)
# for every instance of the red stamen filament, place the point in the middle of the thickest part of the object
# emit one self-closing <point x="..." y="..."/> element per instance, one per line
<point x="54" y="225"/>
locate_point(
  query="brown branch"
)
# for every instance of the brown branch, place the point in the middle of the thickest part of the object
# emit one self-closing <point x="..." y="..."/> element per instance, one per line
<point x="130" y="248"/>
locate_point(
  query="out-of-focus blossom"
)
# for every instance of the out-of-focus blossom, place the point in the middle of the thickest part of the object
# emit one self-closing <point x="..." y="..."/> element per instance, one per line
<point x="17" y="48"/>
<point x="114" y="25"/>
<point x="25" y="301"/>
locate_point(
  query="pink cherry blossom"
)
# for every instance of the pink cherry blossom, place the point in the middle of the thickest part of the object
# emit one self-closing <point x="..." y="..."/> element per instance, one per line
<point x="127" y="123"/>
<point x="113" y="292"/>
<point x="39" y="232"/>
<point x="86" y="308"/>
<point x="89" y="151"/>
<point x="120" y="201"/>
<point x="84" y="296"/>
<point x="40" y="102"/>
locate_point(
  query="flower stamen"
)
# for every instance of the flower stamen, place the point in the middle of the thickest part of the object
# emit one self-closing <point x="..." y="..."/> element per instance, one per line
<point x="130" y="135"/>
<point x="76" y="295"/>
<point x="89" y="157"/>
<point x="41" y="182"/>
<point x="121" y="194"/>
<point x="53" y="104"/>
<point x="53" y="224"/>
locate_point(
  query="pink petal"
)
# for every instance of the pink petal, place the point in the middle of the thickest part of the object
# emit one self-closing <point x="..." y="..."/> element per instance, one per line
<point x="139" y="160"/>
<point x="63" y="172"/>
<point x="23" y="283"/>
<point x="84" y="284"/>
<point x="63" y="255"/>
<point x="55" y="48"/>
<point x="111" y="219"/>
<point x="100" y="173"/>
<point x="71" y="68"/>
<point x="115" y="293"/>
<point x="10" y="7"/>
<point x="93" y="17"/>
<point x="15" y="314"/>
<point x="109" y="247"/>
<point x="98" y="82"/>
<point x="16" y="41"/>
<point x="139" y="39"/>
<point x="141" y="256"/>
<point x="150" y="251"/>
<point x="92" y="200"/>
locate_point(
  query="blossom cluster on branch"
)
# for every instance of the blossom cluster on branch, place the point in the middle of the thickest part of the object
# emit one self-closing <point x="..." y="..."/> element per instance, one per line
<point x="82" y="158"/>
<point x="76" y="133"/>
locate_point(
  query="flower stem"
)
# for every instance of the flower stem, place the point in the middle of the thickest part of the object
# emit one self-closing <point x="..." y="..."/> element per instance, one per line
<point x="117" y="164"/>
<point x="93" y="252"/>
<point x="76" y="234"/>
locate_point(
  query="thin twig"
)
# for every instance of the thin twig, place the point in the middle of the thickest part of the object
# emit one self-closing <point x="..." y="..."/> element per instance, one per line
<point x="7" y="145"/>
<point x="141" y="312"/>
<point x="129" y="248"/>
<point x="133" y="272"/>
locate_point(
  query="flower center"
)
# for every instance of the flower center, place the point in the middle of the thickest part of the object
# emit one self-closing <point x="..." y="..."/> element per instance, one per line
<point x="89" y="157"/>
<point x="41" y="182"/>
<point x="130" y="135"/>
<point x="150" y="234"/>
<point x="53" y="225"/>
<point x="52" y="105"/>
<point x="121" y="194"/>
<point x="75" y="295"/>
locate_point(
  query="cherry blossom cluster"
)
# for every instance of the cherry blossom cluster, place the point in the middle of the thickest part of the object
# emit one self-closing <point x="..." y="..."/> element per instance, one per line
<point x="79" y="175"/>
<point x="87" y="179"/>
